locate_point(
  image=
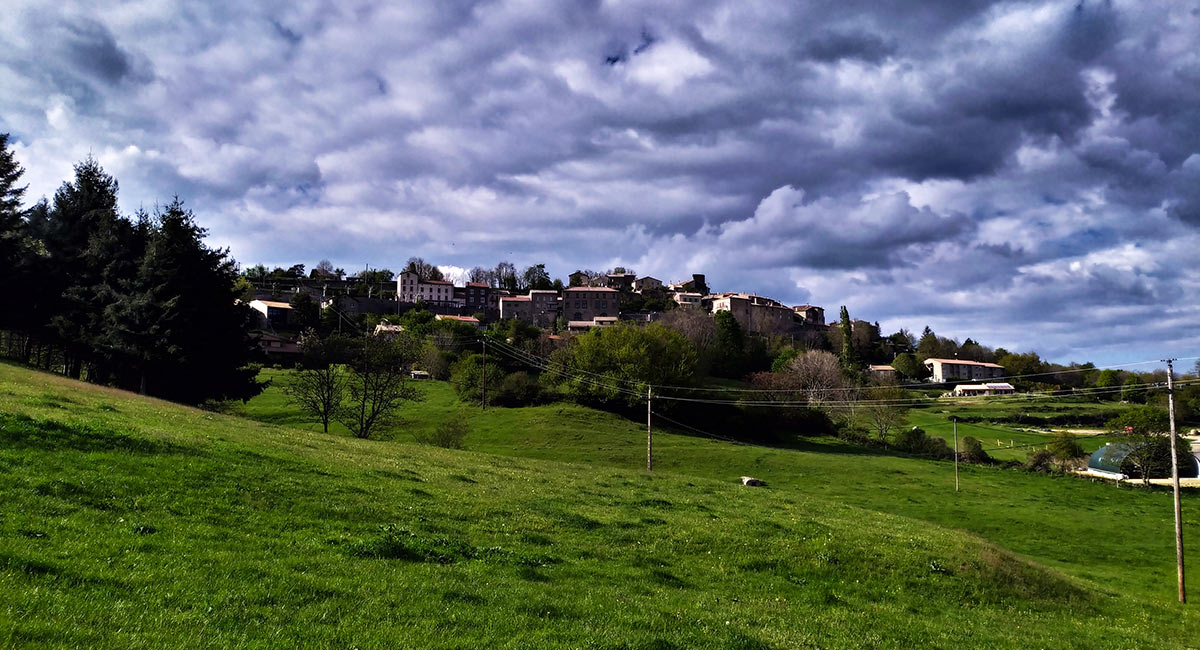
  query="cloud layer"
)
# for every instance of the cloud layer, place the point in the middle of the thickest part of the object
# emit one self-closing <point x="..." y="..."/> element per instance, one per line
<point x="1024" y="173"/>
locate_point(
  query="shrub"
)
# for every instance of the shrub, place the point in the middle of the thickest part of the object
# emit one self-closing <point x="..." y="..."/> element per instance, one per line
<point x="1040" y="460"/>
<point x="450" y="434"/>
<point x="972" y="451"/>
<point x="916" y="441"/>
<point x="517" y="389"/>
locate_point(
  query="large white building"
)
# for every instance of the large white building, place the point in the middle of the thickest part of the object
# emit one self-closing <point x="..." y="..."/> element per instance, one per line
<point x="944" y="370"/>
<point x="411" y="288"/>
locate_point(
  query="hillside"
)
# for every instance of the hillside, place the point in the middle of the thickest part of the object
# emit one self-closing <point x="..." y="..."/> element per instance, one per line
<point x="132" y="522"/>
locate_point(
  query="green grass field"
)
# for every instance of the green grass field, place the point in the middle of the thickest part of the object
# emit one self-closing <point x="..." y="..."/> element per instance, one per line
<point x="130" y="522"/>
<point x="1001" y="441"/>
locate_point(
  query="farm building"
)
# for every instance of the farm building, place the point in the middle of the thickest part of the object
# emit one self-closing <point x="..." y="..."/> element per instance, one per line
<point x="1110" y="460"/>
<point x="995" y="388"/>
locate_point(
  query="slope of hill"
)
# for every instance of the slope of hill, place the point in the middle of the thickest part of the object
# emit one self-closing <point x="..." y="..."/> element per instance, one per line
<point x="131" y="522"/>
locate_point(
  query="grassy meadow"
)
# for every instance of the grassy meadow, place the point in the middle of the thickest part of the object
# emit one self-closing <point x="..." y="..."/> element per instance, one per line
<point x="132" y="522"/>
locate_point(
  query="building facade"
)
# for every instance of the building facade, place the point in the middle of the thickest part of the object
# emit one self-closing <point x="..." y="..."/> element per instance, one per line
<point x="586" y="303"/>
<point x="755" y="313"/>
<point x="411" y="288"/>
<point x="944" y="370"/>
<point x="543" y="309"/>
<point x="518" y="307"/>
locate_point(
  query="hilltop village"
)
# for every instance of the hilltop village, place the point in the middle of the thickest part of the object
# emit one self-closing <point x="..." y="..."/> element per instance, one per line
<point x="589" y="300"/>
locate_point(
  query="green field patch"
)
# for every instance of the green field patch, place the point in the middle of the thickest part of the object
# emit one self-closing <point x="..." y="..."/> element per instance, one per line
<point x="23" y="432"/>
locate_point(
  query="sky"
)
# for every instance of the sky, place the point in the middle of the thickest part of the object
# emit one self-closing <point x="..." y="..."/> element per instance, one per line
<point x="1026" y="174"/>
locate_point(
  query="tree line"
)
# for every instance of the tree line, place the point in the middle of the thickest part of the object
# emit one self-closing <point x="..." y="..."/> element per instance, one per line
<point x="139" y="301"/>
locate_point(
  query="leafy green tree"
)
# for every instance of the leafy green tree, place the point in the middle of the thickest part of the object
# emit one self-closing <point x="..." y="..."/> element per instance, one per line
<point x="1107" y="379"/>
<point x="908" y="367"/>
<point x="1131" y="390"/>
<point x="614" y="364"/>
<point x="306" y="312"/>
<point x="1066" y="448"/>
<point x="728" y="351"/>
<point x="467" y="376"/>
<point x="419" y="322"/>
<point x="536" y="277"/>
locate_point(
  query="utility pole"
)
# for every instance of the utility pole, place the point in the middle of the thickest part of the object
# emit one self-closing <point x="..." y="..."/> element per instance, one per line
<point x="649" y="435"/>
<point x="483" y="378"/>
<point x="955" y="454"/>
<point x="1175" y="480"/>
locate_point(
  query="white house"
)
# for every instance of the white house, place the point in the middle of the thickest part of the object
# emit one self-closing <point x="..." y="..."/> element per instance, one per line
<point x="411" y="288"/>
<point x="944" y="370"/>
<point x="998" y="388"/>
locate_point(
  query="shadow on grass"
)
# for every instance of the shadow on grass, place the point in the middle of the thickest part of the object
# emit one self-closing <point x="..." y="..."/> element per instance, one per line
<point x="23" y="432"/>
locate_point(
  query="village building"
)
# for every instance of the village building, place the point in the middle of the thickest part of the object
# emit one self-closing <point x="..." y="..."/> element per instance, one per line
<point x="755" y="313"/>
<point x="586" y="303"/>
<point x="881" y="372"/>
<point x="277" y="347"/>
<point x="479" y="297"/>
<point x="944" y="370"/>
<point x="439" y="293"/>
<point x="518" y="307"/>
<point x="810" y="314"/>
<point x="543" y="308"/>
<point x="687" y="299"/>
<point x="585" y="325"/>
<point x="274" y="313"/>
<point x="647" y="284"/>
<point x="620" y="281"/>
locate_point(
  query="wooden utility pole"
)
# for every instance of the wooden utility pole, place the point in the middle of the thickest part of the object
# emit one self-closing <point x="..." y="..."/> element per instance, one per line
<point x="483" y="378"/>
<point x="649" y="435"/>
<point x="1175" y="480"/>
<point x="955" y="454"/>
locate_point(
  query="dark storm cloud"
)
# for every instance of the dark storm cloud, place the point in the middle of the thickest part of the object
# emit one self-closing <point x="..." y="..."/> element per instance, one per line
<point x="865" y="46"/>
<point x="964" y="163"/>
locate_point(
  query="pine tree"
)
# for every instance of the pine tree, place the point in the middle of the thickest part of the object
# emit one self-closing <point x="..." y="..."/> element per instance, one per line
<point x="847" y="330"/>
<point x="179" y="321"/>
<point x="84" y="240"/>
<point x="12" y="230"/>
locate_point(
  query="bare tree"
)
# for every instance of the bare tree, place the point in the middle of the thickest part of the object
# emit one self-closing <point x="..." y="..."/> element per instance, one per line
<point x="486" y="276"/>
<point x="695" y="325"/>
<point x="819" y="377"/>
<point x="379" y="383"/>
<point x="423" y="269"/>
<point x="883" y="410"/>
<point x="319" y="383"/>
